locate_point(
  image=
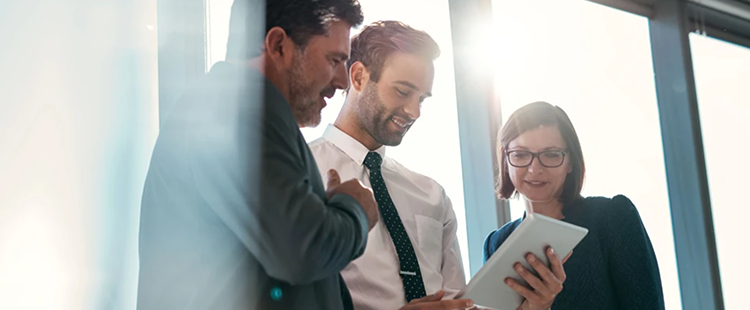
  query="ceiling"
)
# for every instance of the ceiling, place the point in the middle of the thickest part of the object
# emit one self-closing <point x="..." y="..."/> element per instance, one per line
<point x="738" y="8"/>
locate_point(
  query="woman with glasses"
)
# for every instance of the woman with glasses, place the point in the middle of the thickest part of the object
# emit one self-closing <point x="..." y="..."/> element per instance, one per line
<point x="614" y="266"/>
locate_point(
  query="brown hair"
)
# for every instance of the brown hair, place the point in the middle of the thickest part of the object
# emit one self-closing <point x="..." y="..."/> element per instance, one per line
<point x="301" y="19"/>
<point x="377" y="41"/>
<point x="532" y="116"/>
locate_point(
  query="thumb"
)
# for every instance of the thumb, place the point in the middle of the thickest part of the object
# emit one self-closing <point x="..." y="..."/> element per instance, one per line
<point x="429" y="298"/>
<point x="333" y="179"/>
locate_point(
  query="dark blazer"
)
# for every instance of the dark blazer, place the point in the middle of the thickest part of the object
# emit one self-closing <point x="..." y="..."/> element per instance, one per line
<point x="234" y="213"/>
<point x="614" y="266"/>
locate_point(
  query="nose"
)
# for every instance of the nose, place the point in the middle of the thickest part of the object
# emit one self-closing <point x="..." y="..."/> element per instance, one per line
<point x="413" y="109"/>
<point x="536" y="166"/>
<point x="340" y="77"/>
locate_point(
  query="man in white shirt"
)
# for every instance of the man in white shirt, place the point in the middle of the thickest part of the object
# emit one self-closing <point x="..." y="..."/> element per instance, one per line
<point x="413" y="250"/>
<point x="366" y="124"/>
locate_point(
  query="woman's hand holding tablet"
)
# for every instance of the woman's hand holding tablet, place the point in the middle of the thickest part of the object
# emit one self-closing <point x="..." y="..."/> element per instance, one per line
<point x="533" y="246"/>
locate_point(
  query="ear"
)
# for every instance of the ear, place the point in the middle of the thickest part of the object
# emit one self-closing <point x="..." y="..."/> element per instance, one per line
<point x="358" y="76"/>
<point x="570" y="168"/>
<point x="278" y="45"/>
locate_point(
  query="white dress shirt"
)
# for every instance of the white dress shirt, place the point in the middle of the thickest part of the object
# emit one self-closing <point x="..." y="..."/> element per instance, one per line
<point x="426" y="212"/>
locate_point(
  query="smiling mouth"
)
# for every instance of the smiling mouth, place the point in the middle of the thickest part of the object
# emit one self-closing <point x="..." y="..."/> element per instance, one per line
<point x="400" y="123"/>
<point x="536" y="183"/>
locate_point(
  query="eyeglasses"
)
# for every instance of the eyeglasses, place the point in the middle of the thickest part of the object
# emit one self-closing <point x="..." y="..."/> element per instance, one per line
<point x="549" y="159"/>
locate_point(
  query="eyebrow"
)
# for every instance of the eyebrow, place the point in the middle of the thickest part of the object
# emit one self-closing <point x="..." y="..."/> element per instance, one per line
<point x="339" y="55"/>
<point x="412" y="86"/>
<point x="517" y="147"/>
<point x="553" y="148"/>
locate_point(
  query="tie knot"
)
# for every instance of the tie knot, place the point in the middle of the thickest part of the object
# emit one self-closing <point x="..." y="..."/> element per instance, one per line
<point x="373" y="160"/>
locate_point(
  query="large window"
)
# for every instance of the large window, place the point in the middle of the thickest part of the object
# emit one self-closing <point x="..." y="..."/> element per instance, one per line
<point x="595" y="63"/>
<point x="431" y="147"/>
<point x="78" y="121"/>
<point x="722" y="76"/>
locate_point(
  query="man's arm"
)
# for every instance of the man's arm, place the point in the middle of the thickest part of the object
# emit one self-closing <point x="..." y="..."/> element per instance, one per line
<point x="454" y="279"/>
<point x="251" y="173"/>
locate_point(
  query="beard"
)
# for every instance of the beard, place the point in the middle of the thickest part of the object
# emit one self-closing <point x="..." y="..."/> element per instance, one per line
<point x="303" y="97"/>
<point x="375" y="118"/>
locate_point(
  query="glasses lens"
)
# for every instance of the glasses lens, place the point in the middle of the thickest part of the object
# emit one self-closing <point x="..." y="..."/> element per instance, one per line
<point x="519" y="158"/>
<point x="552" y="158"/>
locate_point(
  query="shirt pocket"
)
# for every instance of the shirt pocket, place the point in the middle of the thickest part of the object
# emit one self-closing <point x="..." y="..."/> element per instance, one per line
<point x="430" y="238"/>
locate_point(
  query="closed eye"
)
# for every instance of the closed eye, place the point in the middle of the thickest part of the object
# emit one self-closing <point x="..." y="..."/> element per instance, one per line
<point x="402" y="93"/>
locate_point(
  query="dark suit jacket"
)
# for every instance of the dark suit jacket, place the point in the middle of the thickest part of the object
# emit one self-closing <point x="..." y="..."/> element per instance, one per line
<point x="234" y="212"/>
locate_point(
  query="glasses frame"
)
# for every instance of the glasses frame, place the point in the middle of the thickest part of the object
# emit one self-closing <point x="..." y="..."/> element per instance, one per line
<point x="535" y="155"/>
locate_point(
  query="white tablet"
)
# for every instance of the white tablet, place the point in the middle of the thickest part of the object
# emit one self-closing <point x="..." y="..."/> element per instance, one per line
<point x="488" y="289"/>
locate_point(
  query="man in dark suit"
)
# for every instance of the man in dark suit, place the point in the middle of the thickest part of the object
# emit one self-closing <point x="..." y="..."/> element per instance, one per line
<point x="234" y="213"/>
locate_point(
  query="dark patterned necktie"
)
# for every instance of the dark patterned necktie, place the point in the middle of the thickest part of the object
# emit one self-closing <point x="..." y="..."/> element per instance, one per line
<point x="410" y="273"/>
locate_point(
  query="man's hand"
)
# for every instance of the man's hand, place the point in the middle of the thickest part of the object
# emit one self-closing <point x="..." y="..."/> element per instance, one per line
<point x="544" y="288"/>
<point x="434" y="302"/>
<point x="359" y="192"/>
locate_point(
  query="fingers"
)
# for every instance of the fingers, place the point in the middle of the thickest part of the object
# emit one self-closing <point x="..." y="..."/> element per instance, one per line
<point x="546" y="286"/>
<point x="552" y="285"/>
<point x="533" y="281"/>
<point x="452" y="304"/>
<point x="434" y="297"/>
<point x="556" y="264"/>
<point x="520" y="289"/>
<point x="333" y="179"/>
<point x="434" y="302"/>
<point x="356" y="190"/>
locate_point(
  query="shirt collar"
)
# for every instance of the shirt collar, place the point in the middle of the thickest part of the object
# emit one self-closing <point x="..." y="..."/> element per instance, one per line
<point x="350" y="146"/>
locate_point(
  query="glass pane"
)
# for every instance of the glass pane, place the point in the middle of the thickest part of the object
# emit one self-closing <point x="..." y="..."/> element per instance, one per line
<point x="595" y="63"/>
<point x="722" y="76"/>
<point x="78" y="122"/>
<point x="437" y="128"/>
